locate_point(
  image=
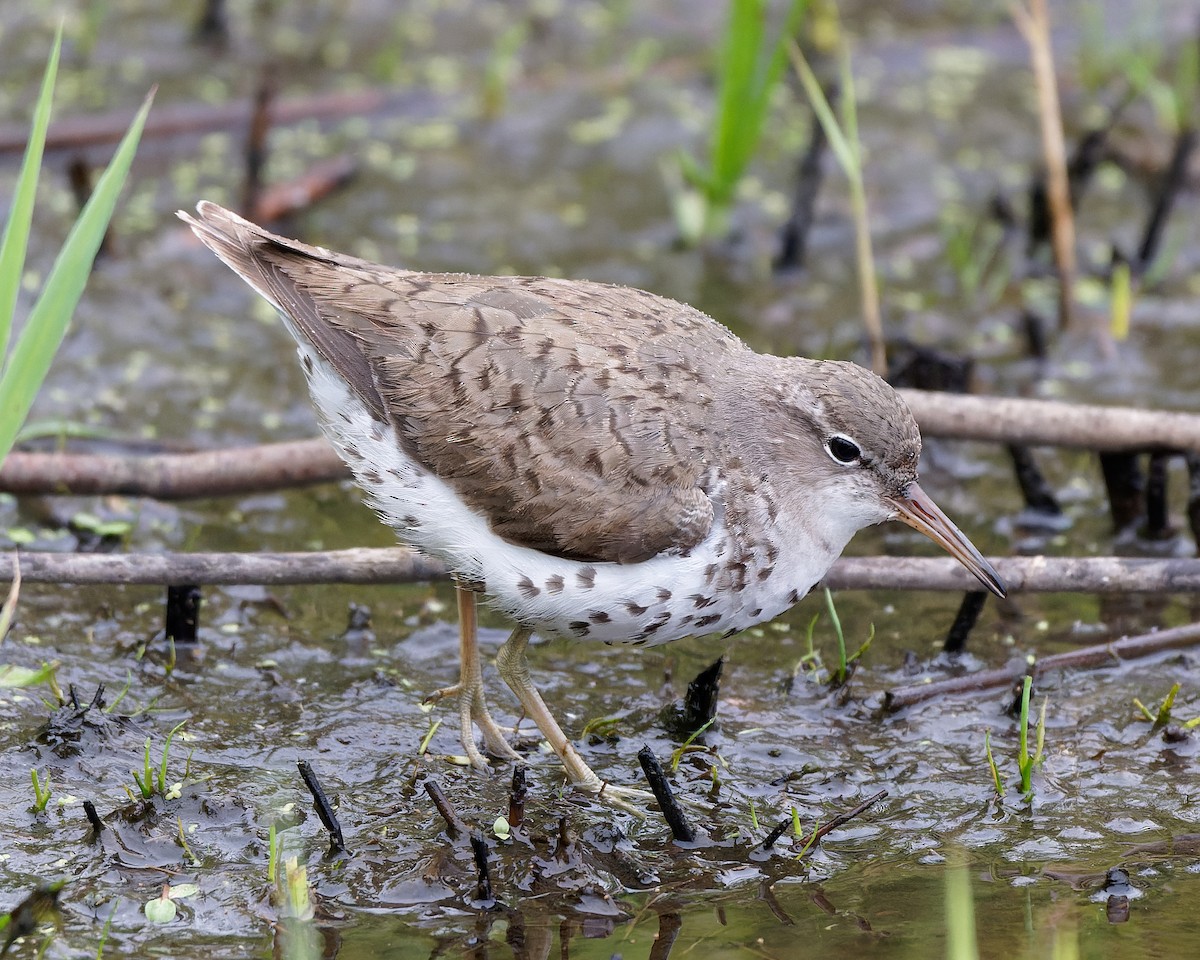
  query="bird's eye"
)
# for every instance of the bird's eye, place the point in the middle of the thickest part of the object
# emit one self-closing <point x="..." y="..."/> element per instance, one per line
<point x="843" y="449"/>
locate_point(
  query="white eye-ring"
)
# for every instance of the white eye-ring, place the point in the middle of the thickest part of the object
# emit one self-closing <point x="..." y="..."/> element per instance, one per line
<point x="842" y="449"/>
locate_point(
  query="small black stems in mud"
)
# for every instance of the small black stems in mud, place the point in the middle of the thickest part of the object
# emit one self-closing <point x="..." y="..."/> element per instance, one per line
<point x="183" y="613"/>
<point x="324" y="809"/>
<point x="1126" y="485"/>
<point x="681" y="828"/>
<point x="93" y="817"/>
<point x="454" y="824"/>
<point x="1193" y="500"/>
<point x="1158" y="522"/>
<point x="700" y="705"/>
<point x="483" y="890"/>
<point x="699" y="708"/>
<point x="964" y="621"/>
<point x="1037" y="492"/>
<point x="516" y="802"/>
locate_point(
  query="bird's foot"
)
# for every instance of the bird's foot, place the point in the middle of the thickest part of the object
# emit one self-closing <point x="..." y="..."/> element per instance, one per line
<point x="473" y="712"/>
<point x="629" y="799"/>
<point x="584" y="779"/>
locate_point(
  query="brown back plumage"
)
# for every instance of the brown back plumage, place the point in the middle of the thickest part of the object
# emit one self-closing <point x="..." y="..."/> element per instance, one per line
<point x="572" y="414"/>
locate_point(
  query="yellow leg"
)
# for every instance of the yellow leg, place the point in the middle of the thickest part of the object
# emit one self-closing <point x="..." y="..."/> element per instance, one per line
<point x="472" y="705"/>
<point x="514" y="668"/>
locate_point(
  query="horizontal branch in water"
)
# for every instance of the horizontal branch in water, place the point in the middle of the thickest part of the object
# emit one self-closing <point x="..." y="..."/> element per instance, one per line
<point x="273" y="466"/>
<point x="386" y="565"/>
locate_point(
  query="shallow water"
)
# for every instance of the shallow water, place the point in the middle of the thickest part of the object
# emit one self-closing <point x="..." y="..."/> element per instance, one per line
<point x="566" y="181"/>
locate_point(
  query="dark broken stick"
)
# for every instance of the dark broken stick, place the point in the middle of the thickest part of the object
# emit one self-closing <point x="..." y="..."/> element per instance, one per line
<point x="681" y="828"/>
<point x="323" y="807"/>
<point x="454" y="824"/>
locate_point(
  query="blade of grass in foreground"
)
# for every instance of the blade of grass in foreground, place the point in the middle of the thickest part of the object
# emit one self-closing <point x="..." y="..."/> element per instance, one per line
<point x="16" y="231"/>
<point x="47" y="323"/>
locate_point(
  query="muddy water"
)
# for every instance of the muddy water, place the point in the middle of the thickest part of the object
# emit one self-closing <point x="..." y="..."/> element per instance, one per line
<point x="565" y="180"/>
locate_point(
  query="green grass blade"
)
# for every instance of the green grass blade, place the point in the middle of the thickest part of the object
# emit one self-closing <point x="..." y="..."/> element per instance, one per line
<point x="748" y="77"/>
<point x="16" y="231"/>
<point x="846" y="155"/>
<point x="849" y="106"/>
<point x="47" y="323"/>
<point x="739" y="59"/>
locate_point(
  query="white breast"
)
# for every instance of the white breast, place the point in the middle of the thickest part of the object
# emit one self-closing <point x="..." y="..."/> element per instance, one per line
<point x="667" y="597"/>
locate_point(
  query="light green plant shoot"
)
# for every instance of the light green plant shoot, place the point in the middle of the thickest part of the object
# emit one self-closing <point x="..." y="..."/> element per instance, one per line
<point x="987" y="749"/>
<point x="26" y="364"/>
<point x="842" y="134"/>
<point x="41" y="790"/>
<point x="678" y="752"/>
<point x="748" y="71"/>
<point x="1163" y="714"/>
<point x="150" y="781"/>
<point x="844" y="662"/>
<point x="1027" y="762"/>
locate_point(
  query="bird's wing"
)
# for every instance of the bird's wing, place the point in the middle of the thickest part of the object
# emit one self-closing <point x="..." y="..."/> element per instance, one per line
<point x="572" y="414"/>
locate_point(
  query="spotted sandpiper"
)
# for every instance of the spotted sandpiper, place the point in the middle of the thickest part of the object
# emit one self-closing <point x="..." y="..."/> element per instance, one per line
<point x="602" y="463"/>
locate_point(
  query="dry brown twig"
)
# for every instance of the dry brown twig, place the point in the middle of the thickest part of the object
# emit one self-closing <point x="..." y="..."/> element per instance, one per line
<point x="1034" y="23"/>
<point x="242" y="470"/>
<point x="382" y="565"/>
<point x="1099" y="655"/>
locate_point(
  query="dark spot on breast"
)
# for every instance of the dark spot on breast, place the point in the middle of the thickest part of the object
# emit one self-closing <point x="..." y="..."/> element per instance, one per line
<point x="737" y="575"/>
<point x="411" y="521"/>
<point x="683" y="621"/>
<point x="308" y="364"/>
<point x="579" y="628"/>
<point x="710" y="571"/>
<point x="663" y="594"/>
<point x="376" y="431"/>
<point x="371" y="475"/>
<point x="793" y="597"/>
<point x="702" y="601"/>
<point x="599" y="616"/>
<point x="652" y="627"/>
<point x="772" y="553"/>
<point x="730" y="632"/>
<point x="526" y="588"/>
<point x="634" y="609"/>
<point x="709" y="620"/>
<point x="555" y="584"/>
<point x="586" y="577"/>
<point x="756" y="612"/>
<point x="765" y="573"/>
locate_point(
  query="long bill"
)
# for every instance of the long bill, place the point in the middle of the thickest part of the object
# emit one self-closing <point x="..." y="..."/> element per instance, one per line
<point x="921" y="513"/>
